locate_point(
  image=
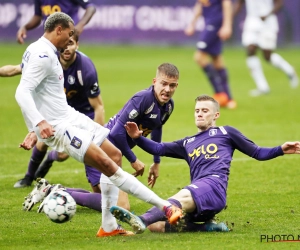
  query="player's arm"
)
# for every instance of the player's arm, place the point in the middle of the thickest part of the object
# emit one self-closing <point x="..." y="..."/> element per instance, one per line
<point x="238" y="6"/>
<point x="248" y="147"/>
<point x="276" y="7"/>
<point x="226" y="29"/>
<point x="197" y="11"/>
<point x="98" y="106"/>
<point x="169" y="149"/>
<point x="33" y="23"/>
<point x="10" y="70"/>
<point x="89" y="12"/>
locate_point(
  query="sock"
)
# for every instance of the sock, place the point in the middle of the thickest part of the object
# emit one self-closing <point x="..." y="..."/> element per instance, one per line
<point x="224" y="81"/>
<point x="52" y="156"/>
<point x="278" y="62"/>
<point x="109" y="198"/>
<point x="154" y="214"/>
<point x="257" y="73"/>
<point x="35" y="160"/>
<point x="86" y="199"/>
<point x="129" y="184"/>
<point x="213" y="78"/>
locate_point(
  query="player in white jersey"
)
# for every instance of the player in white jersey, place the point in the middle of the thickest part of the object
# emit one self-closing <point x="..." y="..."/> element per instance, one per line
<point x="49" y="119"/>
<point x="260" y="31"/>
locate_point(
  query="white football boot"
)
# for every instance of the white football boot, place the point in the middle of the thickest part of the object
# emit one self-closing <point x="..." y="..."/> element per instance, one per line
<point x="37" y="194"/>
<point x="52" y="189"/>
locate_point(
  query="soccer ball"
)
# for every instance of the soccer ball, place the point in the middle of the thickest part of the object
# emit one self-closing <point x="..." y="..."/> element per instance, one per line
<point x="60" y="207"/>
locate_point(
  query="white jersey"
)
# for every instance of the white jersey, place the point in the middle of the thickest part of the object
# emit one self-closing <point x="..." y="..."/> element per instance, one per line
<point x="40" y="93"/>
<point x="259" y="7"/>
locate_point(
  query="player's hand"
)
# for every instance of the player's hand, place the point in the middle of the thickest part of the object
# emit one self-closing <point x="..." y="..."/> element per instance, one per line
<point x="21" y="34"/>
<point x="139" y="168"/>
<point x="46" y="130"/>
<point x="291" y="147"/>
<point x="190" y="30"/>
<point x="225" y="32"/>
<point x="153" y="174"/>
<point x="29" y="141"/>
<point x="133" y="130"/>
<point x="79" y="28"/>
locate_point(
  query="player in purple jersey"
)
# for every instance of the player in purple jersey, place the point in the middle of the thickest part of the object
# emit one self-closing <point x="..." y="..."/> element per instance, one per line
<point x="217" y="16"/>
<point x="150" y="109"/>
<point x="44" y="8"/>
<point x="209" y="155"/>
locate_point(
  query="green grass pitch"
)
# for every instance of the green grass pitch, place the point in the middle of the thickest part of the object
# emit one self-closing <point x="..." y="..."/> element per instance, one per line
<point x="263" y="197"/>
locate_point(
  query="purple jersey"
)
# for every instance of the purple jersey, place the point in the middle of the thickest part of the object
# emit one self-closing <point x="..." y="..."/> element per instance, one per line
<point x="45" y="8"/>
<point x="81" y="83"/>
<point x="147" y="113"/>
<point x="212" y="10"/>
<point x="209" y="153"/>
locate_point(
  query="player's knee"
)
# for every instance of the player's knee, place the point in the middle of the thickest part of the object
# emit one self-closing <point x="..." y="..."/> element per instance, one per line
<point x="62" y="157"/>
<point x="117" y="157"/>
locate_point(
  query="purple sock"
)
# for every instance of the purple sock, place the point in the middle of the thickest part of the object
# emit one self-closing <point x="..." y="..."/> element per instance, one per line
<point x="90" y="200"/>
<point x="52" y="156"/>
<point x="224" y="80"/>
<point x="154" y="214"/>
<point x="35" y="160"/>
<point x="79" y="190"/>
<point x="213" y="78"/>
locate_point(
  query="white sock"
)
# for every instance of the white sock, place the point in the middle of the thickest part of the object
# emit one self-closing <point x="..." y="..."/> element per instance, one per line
<point x="257" y="73"/>
<point x="109" y="194"/>
<point x="131" y="185"/>
<point x="278" y="62"/>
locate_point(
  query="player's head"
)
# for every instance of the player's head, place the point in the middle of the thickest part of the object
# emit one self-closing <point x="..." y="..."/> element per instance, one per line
<point x="69" y="54"/>
<point x="59" y="27"/>
<point x="165" y="82"/>
<point x="207" y="111"/>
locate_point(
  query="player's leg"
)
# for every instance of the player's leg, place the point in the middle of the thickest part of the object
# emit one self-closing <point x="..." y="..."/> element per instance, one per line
<point x="47" y="163"/>
<point x="209" y="43"/>
<point x="222" y="72"/>
<point x="250" y="40"/>
<point x="37" y="156"/>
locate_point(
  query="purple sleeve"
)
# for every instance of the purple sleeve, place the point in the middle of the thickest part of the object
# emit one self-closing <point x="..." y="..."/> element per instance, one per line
<point x="169" y="149"/>
<point x="156" y="136"/>
<point x="37" y="8"/>
<point x="119" y="138"/>
<point x="83" y="3"/>
<point x="248" y="147"/>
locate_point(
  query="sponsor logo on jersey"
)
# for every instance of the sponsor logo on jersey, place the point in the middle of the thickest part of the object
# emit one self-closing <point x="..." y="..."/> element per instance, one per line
<point x="148" y="110"/>
<point x="212" y="132"/>
<point x="193" y="186"/>
<point x="43" y="56"/>
<point x="188" y="141"/>
<point x="61" y="77"/>
<point x="133" y="114"/>
<point x="153" y="116"/>
<point x="26" y="56"/>
<point x="76" y="142"/>
<point x="79" y="75"/>
<point x="94" y="88"/>
<point x="170" y="109"/>
<point x="71" y="79"/>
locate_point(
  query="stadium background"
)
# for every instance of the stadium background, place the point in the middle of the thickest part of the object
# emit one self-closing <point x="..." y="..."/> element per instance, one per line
<point x="144" y="22"/>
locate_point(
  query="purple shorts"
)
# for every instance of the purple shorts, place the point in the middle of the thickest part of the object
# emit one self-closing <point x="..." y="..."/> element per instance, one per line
<point x="209" y="194"/>
<point x="209" y="41"/>
<point x="93" y="175"/>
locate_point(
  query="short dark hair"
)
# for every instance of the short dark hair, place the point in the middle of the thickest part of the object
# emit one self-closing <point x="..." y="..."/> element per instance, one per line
<point x="76" y="35"/>
<point x="208" y="98"/>
<point x="168" y="69"/>
<point x="55" y="19"/>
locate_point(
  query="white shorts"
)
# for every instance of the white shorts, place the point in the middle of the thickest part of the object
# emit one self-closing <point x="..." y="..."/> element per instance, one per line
<point x="73" y="137"/>
<point x="261" y="33"/>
